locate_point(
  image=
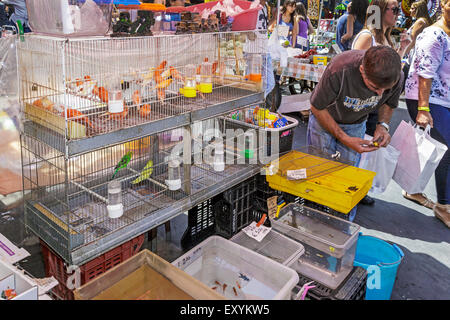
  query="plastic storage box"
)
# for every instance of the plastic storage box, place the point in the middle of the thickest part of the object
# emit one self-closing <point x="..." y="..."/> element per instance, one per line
<point x="274" y="246"/>
<point x="237" y="272"/>
<point x="285" y="136"/>
<point x="330" y="183"/>
<point x="145" y="277"/>
<point x="330" y="243"/>
<point x="70" y="17"/>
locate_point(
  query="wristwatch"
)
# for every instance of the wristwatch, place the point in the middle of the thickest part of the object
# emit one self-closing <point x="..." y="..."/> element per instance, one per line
<point x="384" y="124"/>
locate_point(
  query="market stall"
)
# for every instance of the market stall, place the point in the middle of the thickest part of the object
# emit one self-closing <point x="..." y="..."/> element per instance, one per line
<point x="123" y="119"/>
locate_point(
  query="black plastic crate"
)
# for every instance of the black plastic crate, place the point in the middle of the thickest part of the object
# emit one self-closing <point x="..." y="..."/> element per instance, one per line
<point x="285" y="136"/>
<point x="201" y="224"/>
<point x="233" y="209"/>
<point x="352" y="288"/>
<point x="289" y="198"/>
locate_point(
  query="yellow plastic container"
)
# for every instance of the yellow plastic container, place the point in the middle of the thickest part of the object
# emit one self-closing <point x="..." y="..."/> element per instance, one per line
<point x="332" y="184"/>
<point x="205" y="87"/>
<point x="320" y="60"/>
<point x="189" y="92"/>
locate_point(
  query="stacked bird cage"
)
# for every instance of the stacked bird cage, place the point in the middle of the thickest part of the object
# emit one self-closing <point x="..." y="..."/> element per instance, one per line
<point x="85" y="88"/>
<point x="107" y="144"/>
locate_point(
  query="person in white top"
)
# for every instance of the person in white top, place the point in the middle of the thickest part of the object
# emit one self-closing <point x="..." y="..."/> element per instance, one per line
<point x="428" y="99"/>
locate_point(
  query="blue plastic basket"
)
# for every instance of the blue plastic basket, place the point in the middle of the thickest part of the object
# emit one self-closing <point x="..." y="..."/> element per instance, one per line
<point x="381" y="260"/>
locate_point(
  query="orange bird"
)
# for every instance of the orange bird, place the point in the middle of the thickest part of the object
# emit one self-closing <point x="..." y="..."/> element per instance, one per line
<point x="164" y="84"/>
<point x="159" y="71"/>
<point x="136" y="98"/>
<point x="145" y="110"/>
<point x="161" y="93"/>
<point x="78" y="116"/>
<point x="101" y="92"/>
<point x="175" y="74"/>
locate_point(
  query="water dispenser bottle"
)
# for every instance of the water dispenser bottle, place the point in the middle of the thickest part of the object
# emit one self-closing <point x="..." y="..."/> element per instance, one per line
<point x="218" y="164"/>
<point x="115" y="96"/>
<point x="174" y="179"/>
<point x="206" y="77"/>
<point x="115" y="206"/>
<point x="255" y="67"/>
<point x="189" y="90"/>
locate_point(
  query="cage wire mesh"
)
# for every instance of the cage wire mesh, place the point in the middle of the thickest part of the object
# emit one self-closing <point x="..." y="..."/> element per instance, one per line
<point x="83" y="88"/>
<point x="68" y="203"/>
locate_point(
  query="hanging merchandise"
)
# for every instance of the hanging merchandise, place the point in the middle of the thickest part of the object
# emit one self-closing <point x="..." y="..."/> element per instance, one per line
<point x="313" y="9"/>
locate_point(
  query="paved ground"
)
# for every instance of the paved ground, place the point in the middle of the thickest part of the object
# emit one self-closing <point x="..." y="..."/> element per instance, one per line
<point x="423" y="274"/>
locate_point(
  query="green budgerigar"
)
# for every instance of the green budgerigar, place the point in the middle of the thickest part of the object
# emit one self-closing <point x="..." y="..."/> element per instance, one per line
<point x="145" y="174"/>
<point x="122" y="163"/>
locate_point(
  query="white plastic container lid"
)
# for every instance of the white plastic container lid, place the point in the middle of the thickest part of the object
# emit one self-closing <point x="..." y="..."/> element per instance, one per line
<point x="274" y="246"/>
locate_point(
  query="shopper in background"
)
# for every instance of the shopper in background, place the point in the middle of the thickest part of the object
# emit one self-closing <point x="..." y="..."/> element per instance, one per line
<point x="419" y="11"/>
<point x="4" y="18"/>
<point x="378" y="29"/>
<point x="351" y="23"/>
<point x="286" y="19"/>
<point x="353" y="84"/>
<point x="20" y="12"/>
<point x="428" y="100"/>
<point x="263" y="16"/>
<point x="302" y="28"/>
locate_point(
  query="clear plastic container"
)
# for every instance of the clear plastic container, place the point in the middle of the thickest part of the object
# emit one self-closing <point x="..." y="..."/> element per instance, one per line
<point x="274" y="246"/>
<point x="330" y="243"/>
<point x="206" y="77"/>
<point x="115" y="206"/>
<point x="70" y="17"/>
<point x="115" y="97"/>
<point x="247" y="275"/>
<point x="255" y="67"/>
<point x="174" y="176"/>
<point x="190" y="86"/>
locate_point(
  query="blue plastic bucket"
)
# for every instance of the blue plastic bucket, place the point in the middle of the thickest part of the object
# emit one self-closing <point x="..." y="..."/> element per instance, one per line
<point x="381" y="260"/>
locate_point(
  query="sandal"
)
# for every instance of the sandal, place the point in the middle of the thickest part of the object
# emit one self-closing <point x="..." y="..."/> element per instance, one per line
<point x="419" y="198"/>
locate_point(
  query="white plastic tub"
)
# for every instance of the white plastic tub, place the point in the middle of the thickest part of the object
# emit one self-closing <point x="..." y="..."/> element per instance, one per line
<point x="330" y="243"/>
<point x="70" y="17"/>
<point x="217" y="261"/>
<point x="274" y="246"/>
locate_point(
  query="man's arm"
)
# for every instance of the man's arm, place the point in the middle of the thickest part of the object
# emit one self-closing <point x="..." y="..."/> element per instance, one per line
<point x="329" y="124"/>
<point x="381" y="135"/>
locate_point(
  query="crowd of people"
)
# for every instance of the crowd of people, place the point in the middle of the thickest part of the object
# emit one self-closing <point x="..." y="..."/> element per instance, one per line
<point x="361" y="87"/>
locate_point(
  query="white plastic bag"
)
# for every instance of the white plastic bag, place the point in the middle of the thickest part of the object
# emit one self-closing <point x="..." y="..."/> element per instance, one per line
<point x="276" y="51"/>
<point x="419" y="156"/>
<point x="382" y="161"/>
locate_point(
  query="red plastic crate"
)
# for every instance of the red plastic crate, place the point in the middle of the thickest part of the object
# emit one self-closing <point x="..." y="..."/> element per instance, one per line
<point x="55" y="266"/>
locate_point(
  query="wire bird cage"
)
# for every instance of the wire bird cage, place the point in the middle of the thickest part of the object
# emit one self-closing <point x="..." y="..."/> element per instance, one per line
<point x="72" y="203"/>
<point x="76" y="89"/>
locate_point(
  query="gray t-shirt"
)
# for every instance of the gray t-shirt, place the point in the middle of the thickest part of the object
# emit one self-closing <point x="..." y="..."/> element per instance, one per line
<point x="342" y="91"/>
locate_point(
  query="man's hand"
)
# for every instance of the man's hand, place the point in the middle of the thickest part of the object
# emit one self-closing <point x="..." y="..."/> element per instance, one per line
<point x="358" y="144"/>
<point x="382" y="136"/>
